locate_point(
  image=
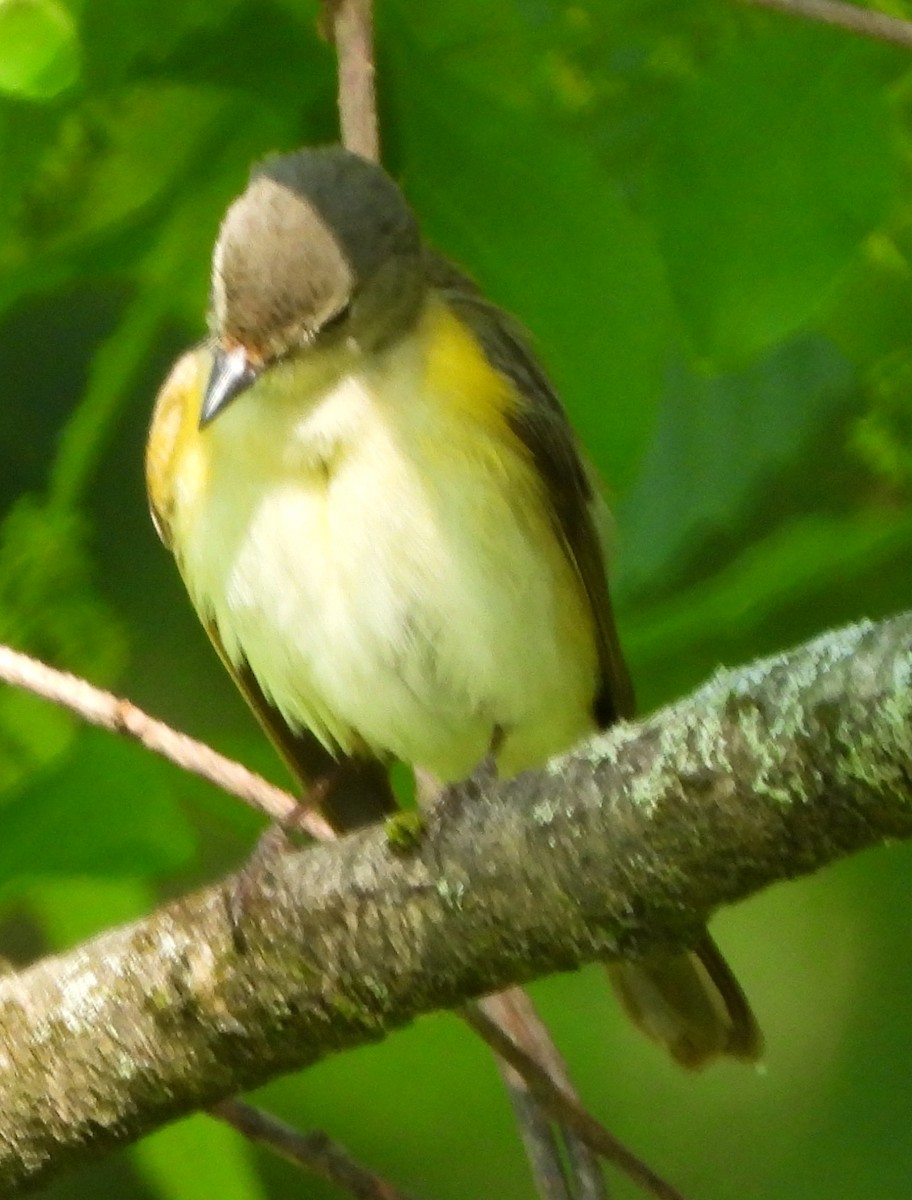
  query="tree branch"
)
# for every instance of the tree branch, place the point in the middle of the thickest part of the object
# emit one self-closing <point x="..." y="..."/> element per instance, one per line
<point x="623" y="847"/>
<point x="313" y="1151"/>
<point x="510" y="1017"/>
<point x="565" y="1107"/>
<point x="350" y="25"/>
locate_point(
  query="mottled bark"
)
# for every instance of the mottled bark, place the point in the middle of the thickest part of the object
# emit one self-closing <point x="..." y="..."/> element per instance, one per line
<point x="624" y="847"/>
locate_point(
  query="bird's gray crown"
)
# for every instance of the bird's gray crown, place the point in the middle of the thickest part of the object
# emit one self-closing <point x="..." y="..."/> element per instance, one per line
<point x="355" y="198"/>
<point x="313" y="231"/>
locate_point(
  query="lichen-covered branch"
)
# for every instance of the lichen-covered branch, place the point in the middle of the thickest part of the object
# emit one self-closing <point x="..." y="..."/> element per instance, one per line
<point x="624" y="847"/>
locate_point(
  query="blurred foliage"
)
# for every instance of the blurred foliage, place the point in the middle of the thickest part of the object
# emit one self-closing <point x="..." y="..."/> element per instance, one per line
<point x="704" y="215"/>
<point x="39" y="49"/>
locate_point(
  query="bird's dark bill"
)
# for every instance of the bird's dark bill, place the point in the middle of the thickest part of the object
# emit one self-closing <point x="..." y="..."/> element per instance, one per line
<point x="232" y="373"/>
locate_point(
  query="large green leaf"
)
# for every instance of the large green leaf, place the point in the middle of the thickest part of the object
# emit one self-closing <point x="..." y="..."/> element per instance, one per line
<point x="39" y="49"/>
<point x="549" y="236"/>
<point x="769" y="171"/>
<point x="197" y="1159"/>
<point x="808" y="574"/>
<point x="108" y="172"/>
<point x="721" y="444"/>
<point x="107" y="808"/>
<point x="121" y="41"/>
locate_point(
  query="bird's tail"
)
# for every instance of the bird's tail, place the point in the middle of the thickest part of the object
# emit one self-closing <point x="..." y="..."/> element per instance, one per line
<point x="691" y="1004"/>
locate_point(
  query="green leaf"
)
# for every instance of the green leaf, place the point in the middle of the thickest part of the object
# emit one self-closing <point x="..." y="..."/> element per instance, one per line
<point x="107" y="809"/>
<point x="492" y="57"/>
<point x="39" y="49"/>
<point x="807" y="574"/>
<point x="118" y="160"/>
<point x="198" y="1159"/>
<point x="32" y="734"/>
<point x="119" y="35"/>
<point x="50" y="608"/>
<point x="548" y="235"/>
<point x="770" y="169"/>
<point x="721" y="440"/>
<point x="24" y="135"/>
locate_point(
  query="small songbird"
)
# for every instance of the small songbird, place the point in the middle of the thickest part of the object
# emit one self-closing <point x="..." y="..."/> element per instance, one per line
<point x="384" y="522"/>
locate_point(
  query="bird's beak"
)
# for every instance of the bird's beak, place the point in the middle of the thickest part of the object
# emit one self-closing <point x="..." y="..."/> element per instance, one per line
<point x="232" y="373"/>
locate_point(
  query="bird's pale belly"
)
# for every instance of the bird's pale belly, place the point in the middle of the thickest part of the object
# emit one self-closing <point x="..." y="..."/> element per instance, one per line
<point x="399" y="604"/>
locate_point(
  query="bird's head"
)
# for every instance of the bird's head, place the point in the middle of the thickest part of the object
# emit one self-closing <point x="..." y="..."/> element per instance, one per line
<point x="321" y="249"/>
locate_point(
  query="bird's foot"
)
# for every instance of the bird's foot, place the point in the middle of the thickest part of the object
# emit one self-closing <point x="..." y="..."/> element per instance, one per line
<point x="255" y="878"/>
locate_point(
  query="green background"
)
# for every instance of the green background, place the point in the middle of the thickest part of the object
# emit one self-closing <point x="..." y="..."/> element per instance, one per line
<point x="703" y="213"/>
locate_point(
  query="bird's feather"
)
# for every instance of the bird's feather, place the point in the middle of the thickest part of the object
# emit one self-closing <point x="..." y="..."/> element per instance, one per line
<point x="538" y="419"/>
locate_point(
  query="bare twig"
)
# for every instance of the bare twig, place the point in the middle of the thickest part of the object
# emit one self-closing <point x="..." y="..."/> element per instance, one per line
<point x="350" y="23"/>
<point x="539" y="1137"/>
<point x="864" y="21"/>
<point x="537" y="1134"/>
<point x="514" y="1013"/>
<point x="108" y="711"/>
<point x="566" y="1108"/>
<point x="584" y="1164"/>
<point x="314" y="1151"/>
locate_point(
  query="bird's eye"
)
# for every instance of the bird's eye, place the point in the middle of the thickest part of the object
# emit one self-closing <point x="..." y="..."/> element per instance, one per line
<point x="337" y="319"/>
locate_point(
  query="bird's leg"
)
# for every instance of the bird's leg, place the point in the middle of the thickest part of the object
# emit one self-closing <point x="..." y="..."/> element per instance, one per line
<point x="486" y="773"/>
<point x="349" y="794"/>
<point x="277" y="840"/>
<point x="427" y="787"/>
<point x="303" y="824"/>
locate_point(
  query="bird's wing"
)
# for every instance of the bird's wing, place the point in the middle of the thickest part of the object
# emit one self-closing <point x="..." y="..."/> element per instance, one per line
<point x="540" y="422"/>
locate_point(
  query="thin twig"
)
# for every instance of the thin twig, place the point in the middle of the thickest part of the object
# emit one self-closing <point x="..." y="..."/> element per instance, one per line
<point x="565" y="1108"/>
<point x="537" y="1134"/>
<point x="586" y="1168"/>
<point x="584" y="1164"/>
<point x="864" y="21"/>
<point x="350" y="23"/>
<point x="315" y="1151"/>
<point x="108" y="711"/>
<point x="514" y="1012"/>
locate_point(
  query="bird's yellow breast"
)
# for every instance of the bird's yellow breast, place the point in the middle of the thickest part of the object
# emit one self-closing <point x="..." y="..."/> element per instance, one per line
<point x="369" y="535"/>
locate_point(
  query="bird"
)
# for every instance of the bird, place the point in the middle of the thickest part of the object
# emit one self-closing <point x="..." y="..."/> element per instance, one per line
<point x="385" y="523"/>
